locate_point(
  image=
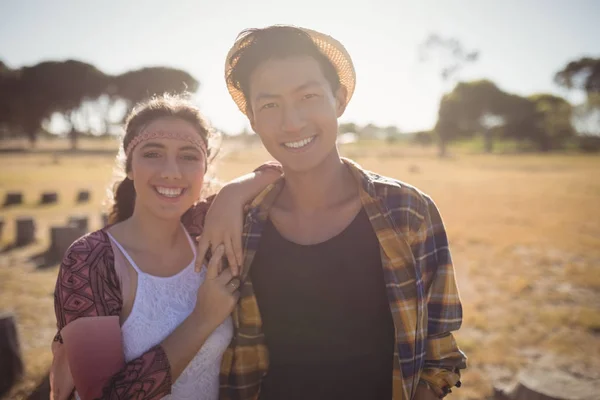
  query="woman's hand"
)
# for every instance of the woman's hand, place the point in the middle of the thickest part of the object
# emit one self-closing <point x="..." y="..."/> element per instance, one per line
<point x="223" y="225"/>
<point x="218" y="294"/>
<point x="224" y="220"/>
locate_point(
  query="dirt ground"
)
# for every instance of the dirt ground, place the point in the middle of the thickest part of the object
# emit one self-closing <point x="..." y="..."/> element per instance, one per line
<point x="524" y="232"/>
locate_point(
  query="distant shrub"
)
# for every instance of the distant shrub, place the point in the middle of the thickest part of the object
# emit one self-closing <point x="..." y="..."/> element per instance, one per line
<point x="423" y="138"/>
<point x="589" y="143"/>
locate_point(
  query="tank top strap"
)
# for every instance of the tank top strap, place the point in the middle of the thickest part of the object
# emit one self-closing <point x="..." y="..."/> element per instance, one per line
<point x="127" y="256"/>
<point x="191" y="241"/>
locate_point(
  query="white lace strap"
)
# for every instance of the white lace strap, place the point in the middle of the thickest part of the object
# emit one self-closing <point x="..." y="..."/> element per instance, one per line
<point x="127" y="256"/>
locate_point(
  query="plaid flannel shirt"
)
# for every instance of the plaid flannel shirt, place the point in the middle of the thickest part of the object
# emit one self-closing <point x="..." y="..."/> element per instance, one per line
<point x="419" y="280"/>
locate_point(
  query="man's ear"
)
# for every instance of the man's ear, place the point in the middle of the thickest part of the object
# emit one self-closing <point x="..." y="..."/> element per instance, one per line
<point x="340" y="99"/>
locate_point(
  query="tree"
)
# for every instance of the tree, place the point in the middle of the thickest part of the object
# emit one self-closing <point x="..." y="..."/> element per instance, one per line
<point x="423" y="138"/>
<point x="451" y="53"/>
<point x="348" y="127"/>
<point x="391" y="131"/>
<point x="33" y="93"/>
<point x="77" y="90"/>
<point x="553" y="121"/>
<point x="138" y="85"/>
<point x="481" y="107"/>
<point x="519" y="118"/>
<point x="370" y="131"/>
<point x="7" y="93"/>
<point x="584" y="75"/>
<point x="81" y="84"/>
<point x="586" y="116"/>
<point x="471" y="108"/>
<point x="453" y="57"/>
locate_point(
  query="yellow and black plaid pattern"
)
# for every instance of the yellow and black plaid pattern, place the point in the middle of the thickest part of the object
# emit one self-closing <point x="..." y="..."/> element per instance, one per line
<point x="420" y="285"/>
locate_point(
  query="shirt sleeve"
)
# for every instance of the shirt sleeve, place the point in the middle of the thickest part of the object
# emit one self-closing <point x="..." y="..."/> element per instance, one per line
<point x="193" y="219"/>
<point x="87" y="286"/>
<point x="443" y="360"/>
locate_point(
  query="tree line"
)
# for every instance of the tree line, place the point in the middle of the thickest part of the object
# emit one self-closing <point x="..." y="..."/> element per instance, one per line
<point x="545" y="120"/>
<point x="542" y="121"/>
<point x="79" y="92"/>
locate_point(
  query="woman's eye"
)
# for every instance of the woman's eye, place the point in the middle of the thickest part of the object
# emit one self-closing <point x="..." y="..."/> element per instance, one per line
<point x="190" y="157"/>
<point x="151" y="154"/>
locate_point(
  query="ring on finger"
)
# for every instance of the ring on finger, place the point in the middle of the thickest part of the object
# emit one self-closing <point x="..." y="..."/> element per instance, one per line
<point x="234" y="283"/>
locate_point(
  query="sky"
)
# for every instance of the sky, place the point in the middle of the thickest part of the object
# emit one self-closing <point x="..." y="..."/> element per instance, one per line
<point x="522" y="44"/>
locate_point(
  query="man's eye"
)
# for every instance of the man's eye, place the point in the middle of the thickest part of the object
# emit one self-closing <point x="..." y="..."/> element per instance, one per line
<point x="268" y="105"/>
<point x="309" y="96"/>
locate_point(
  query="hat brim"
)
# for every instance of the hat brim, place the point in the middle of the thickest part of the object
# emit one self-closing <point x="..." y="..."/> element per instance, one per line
<point x="330" y="47"/>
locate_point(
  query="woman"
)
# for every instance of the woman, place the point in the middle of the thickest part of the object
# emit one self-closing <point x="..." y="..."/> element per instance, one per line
<point x="135" y="319"/>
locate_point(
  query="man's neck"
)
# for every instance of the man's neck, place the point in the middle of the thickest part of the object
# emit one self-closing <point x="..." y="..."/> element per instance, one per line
<point x="319" y="189"/>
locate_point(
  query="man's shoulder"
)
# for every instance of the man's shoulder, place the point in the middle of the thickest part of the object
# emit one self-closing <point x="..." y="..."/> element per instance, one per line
<point x="396" y="191"/>
<point x="388" y="188"/>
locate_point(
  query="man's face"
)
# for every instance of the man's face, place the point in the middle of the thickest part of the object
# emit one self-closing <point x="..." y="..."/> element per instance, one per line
<point x="295" y="111"/>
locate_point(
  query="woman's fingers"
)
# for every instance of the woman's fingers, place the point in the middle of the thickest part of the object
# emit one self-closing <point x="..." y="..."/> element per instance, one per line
<point x="225" y="277"/>
<point x="234" y="284"/>
<point x="215" y="263"/>
<point x="231" y="258"/>
<point x="237" y="248"/>
<point x="203" y="245"/>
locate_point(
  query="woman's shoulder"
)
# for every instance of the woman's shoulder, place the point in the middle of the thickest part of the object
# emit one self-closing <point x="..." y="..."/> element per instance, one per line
<point x="90" y="257"/>
<point x="88" y="247"/>
<point x="87" y="284"/>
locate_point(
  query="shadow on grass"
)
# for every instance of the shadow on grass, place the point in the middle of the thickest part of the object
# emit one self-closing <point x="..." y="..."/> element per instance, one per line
<point x="14" y="246"/>
<point x="42" y="391"/>
<point x="43" y="260"/>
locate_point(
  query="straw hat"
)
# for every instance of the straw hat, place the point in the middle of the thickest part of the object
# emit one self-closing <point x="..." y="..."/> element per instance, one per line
<point x="330" y="47"/>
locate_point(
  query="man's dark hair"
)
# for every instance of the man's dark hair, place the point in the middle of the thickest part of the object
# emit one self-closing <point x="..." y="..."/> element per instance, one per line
<point x="274" y="42"/>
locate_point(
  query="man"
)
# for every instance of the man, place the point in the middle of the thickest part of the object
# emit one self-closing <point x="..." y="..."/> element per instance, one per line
<point x="348" y="288"/>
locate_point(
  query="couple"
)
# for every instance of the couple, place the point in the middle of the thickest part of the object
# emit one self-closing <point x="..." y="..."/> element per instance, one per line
<point x="339" y="285"/>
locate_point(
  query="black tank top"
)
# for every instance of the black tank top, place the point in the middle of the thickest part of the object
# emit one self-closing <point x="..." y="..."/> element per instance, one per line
<point x="326" y="316"/>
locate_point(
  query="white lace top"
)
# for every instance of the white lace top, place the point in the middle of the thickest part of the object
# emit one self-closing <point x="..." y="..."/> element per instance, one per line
<point x="160" y="305"/>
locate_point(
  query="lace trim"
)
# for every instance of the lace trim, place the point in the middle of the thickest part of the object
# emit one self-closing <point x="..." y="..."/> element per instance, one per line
<point x="195" y="140"/>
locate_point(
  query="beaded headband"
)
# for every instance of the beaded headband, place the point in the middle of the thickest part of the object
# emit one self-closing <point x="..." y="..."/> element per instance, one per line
<point x="193" y="139"/>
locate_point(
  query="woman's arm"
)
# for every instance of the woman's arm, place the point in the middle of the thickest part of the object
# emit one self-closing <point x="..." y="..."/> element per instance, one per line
<point x="94" y="353"/>
<point x="88" y="302"/>
<point x="91" y="334"/>
<point x="219" y="218"/>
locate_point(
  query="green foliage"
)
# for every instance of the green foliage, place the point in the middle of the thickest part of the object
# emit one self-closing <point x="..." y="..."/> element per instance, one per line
<point x="423" y="138"/>
<point x="32" y="94"/>
<point x="553" y="126"/>
<point x="481" y="108"/>
<point x="589" y="143"/>
<point x="582" y="74"/>
<point x="135" y="86"/>
<point x="349" y="127"/>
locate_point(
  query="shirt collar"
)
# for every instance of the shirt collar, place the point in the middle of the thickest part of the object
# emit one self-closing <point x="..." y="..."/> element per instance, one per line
<point x="260" y="206"/>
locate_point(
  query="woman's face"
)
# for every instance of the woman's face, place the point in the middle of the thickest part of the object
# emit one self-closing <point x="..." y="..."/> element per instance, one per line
<point x="167" y="173"/>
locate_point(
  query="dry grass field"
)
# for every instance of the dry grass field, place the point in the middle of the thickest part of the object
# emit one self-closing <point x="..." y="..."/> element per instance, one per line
<point x="524" y="231"/>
